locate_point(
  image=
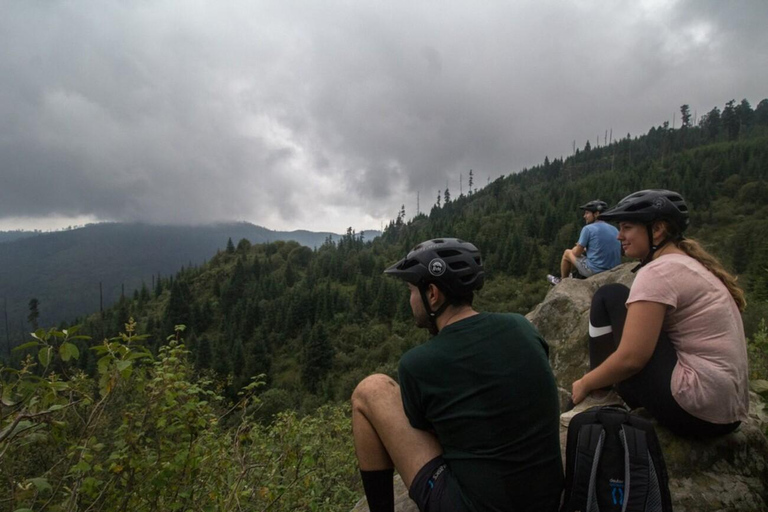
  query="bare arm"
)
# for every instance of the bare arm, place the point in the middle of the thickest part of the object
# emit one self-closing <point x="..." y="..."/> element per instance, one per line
<point x="578" y="250"/>
<point x="641" y="333"/>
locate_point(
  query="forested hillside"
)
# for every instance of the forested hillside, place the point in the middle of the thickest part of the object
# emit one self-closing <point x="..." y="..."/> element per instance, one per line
<point x="312" y="323"/>
<point x="71" y="272"/>
<point x="9" y="236"/>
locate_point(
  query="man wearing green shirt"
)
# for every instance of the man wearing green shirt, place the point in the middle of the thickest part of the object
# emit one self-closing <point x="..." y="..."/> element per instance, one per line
<point x="474" y="423"/>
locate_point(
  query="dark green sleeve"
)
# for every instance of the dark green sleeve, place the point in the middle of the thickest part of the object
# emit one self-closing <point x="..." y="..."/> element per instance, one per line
<point x="412" y="404"/>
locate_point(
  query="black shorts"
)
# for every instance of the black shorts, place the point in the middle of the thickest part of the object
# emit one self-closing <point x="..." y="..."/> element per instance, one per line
<point x="435" y="489"/>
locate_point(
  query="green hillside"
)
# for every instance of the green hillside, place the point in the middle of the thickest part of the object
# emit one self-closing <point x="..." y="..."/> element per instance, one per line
<point x="70" y="271"/>
<point x="316" y="321"/>
<point x="141" y="423"/>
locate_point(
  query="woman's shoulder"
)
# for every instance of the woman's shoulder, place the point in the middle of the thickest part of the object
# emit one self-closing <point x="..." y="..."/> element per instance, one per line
<point x="672" y="265"/>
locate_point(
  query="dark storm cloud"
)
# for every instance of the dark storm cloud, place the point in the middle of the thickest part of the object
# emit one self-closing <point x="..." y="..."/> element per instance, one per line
<point x="323" y="115"/>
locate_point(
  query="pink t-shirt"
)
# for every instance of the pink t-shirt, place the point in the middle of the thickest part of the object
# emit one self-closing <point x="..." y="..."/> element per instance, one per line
<point x="710" y="380"/>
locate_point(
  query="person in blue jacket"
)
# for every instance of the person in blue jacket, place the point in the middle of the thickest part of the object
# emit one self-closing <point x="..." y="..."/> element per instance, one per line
<point x="598" y="248"/>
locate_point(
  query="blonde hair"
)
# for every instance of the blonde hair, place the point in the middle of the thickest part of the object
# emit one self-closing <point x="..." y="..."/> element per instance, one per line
<point x="694" y="249"/>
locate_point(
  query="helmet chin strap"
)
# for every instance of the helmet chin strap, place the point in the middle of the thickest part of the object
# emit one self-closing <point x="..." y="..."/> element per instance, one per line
<point x="432" y="315"/>
<point x="649" y="257"/>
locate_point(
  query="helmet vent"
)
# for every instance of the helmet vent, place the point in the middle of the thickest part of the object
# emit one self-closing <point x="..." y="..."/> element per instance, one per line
<point x="447" y="253"/>
<point x="637" y="206"/>
<point x="458" y="265"/>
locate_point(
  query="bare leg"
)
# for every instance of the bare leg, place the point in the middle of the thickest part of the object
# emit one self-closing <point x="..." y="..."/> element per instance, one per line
<point x="566" y="264"/>
<point x="383" y="436"/>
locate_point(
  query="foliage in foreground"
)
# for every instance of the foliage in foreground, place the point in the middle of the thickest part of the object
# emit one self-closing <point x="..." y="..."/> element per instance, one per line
<point x="145" y="435"/>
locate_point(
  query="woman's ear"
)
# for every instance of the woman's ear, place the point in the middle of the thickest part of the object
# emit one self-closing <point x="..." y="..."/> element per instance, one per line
<point x="660" y="231"/>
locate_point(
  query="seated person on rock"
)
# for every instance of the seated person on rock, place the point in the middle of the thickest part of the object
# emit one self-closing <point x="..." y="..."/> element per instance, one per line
<point x="473" y="424"/>
<point x="597" y="249"/>
<point x="677" y="348"/>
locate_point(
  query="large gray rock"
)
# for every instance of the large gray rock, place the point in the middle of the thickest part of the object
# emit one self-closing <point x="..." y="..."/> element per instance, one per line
<point x="729" y="473"/>
<point x="563" y="319"/>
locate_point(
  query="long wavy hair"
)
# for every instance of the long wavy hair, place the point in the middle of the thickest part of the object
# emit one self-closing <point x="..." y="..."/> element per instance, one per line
<point x="695" y="250"/>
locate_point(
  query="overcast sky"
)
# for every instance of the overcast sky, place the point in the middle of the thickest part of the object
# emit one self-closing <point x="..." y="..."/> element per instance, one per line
<point x="326" y="114"/>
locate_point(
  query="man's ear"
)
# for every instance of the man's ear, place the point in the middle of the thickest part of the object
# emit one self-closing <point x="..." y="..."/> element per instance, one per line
<point x="434" y="295"/>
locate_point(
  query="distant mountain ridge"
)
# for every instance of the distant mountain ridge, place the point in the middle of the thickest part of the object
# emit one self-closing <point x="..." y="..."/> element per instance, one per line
<point x="63" y="269"/>
<point x="9" y="236"/>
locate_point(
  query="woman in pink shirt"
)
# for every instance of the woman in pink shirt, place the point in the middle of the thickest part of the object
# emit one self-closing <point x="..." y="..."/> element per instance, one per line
<point x="677" y="348"/>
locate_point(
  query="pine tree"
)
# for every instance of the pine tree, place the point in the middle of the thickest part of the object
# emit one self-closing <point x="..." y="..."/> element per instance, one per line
<point x="730" y="120"/>
<point x="761" y="113"/>
<point x="685" y="115"/>
<point x="178" y="310"/>
<point x="318" y="358"/>
<point x="143" y="294"/>
<point x="158" y="286"/>
<point x="238" y="358"/>
<point x="34" y="313"/>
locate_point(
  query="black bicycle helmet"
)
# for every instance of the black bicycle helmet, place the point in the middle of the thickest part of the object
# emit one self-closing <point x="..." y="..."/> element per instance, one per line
<point x="454" y="265"/>
<point x="595" y="206"/>
<point x="647" y="206"/>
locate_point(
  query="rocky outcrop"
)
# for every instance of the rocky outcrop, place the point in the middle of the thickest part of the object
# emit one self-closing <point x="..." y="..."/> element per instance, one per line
<point x="729" y="473"/>
<point x="563" y="320"/>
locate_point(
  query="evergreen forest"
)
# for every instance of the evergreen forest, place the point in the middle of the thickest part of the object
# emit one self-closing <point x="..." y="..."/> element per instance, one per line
<point x="225" y="386"/>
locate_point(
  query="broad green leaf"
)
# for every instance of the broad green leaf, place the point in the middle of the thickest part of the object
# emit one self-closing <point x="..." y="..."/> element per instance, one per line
<point x="122" y="365"/>
<point x="44" y="356"/>
<point x="68" y="351"/>
<point x="81" y="467"/>
<point x="6" y="400"/>
<point x="41" y="484"/>
<point x="59" y="385"/>
<point x="22" y="425"/>
<point x="26" y="345"/>
<point x="137" y="355"/>
<point x="56" y="407"/>
<point x="103" y="364"/>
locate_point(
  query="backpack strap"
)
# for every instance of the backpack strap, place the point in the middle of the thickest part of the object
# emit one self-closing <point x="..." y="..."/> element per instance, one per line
<point x="589" y="449"/>
<point x="637" y="464"/>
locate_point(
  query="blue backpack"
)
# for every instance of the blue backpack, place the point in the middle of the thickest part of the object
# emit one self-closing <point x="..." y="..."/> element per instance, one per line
<point x="613" y="462"/>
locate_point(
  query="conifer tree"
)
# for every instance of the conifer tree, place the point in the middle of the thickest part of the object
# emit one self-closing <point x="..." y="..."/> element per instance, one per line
<point x="158" y="286"/>
<point x="34" y="313"/>
<point x="730" y="120"/>
<point x="318" y="358"/>
<point x="685" y="116"/>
